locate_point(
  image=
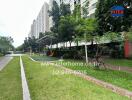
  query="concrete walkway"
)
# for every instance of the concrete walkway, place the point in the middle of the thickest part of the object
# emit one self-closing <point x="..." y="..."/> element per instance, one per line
<point x="26" y="94"/>
<point x="4" y="61"/>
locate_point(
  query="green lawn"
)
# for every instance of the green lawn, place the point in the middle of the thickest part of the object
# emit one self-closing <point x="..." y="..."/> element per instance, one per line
<point x="43" y="58"/>
<point x="45" y="85"/>
<point x="115" y="62"/>
<point x="1" y="55"/>
<point x="121" y="79"/>
<point x="119" y="62"/>
<point x="10" y="81"/>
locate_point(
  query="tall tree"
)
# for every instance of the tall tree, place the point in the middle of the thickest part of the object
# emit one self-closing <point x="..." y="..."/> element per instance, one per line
<point x="86" y="27"/>
<point x="65" y="9"/>
<point x="6" y="44"/>
<point x="66" y="28"/>
<point x="55" y="13"/>
<point x="108" y="23"/>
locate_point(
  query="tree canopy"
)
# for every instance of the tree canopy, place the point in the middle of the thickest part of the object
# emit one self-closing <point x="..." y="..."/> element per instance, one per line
<point x="6" y="44"/>
<point x="108" y="23"/>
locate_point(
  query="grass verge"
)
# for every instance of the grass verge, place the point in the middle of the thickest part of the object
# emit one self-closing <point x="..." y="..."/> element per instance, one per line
<point x="118" y="78"/>
<point x="44" y="84"/>
<point x="10" y="81"/>
<point x="43" y="58"/>
<point x="119" y="62"/>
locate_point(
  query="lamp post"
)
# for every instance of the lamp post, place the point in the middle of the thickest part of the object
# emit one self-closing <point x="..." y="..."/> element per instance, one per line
<point x="86" y="52"/>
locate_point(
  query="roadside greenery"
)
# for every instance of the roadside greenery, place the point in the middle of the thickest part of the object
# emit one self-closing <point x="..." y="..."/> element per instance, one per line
<point x="119" y="62"/>
<point x="115" y="24"/>
<point x="121" y="79"/>
<point x="129" y="35"/>
<point x="5" y="44"/>
<point x="75" y="26"/>
<point x="10" y="81"/>
<point x="44" y="58"/>
<point x="45" y="84"/>
<point x="118" y="78"/>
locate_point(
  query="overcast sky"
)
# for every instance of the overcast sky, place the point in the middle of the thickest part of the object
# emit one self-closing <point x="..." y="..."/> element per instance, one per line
<point x="16" y="17"/>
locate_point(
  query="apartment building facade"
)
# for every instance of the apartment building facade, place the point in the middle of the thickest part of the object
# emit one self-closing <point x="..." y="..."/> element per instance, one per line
<point x="41" y="23"/>
<point x="91" y="8"/>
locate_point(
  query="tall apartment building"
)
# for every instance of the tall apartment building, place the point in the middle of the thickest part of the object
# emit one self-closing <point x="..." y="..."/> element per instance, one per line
<point x="41" y="24"/>
<point x="92" y="7"/>
<point x="50" y="17"/>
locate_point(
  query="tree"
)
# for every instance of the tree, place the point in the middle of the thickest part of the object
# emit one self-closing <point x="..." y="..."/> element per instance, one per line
<point x="30" y="44"/>
<point x="65" y="9"/>
<point x="55" y="13"/>
<point x="41" y="34"/>
<point x="66" y="28"/>
<point x="86" y="27"/>
<point x="105" y="20"/>
<point x="101" y="47"/>
<point x="77" y="12"/>
<point x="129" y="35"/>
<point x="6" y="44"/>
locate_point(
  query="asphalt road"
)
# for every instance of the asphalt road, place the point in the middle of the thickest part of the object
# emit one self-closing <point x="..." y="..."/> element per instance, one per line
<point x="4" y="61"/>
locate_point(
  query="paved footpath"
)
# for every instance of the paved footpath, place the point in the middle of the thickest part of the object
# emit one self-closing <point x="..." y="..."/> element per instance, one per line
<point x="4" y="61"/>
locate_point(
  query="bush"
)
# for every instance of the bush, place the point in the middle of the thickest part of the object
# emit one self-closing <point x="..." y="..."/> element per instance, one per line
<point x="1" y="54"/>
<point x="117" y="53"/>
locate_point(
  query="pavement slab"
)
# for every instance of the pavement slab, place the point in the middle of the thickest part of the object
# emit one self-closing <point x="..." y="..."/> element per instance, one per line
<point x="4" y="61"/>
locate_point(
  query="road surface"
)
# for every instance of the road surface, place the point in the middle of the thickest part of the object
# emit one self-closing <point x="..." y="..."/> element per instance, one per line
<point x="4" y="61"/>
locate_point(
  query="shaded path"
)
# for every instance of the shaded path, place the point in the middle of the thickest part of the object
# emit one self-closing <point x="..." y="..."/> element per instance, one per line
<point x="4" y="61"/>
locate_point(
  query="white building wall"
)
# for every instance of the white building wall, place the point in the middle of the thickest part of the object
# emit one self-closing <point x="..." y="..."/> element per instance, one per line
<point x="29" y="35"/>
<point x="41" y="24"/>
<point x="92" y="7"/>
<point x="46" y="17"/>
<point x="50" y="18"/>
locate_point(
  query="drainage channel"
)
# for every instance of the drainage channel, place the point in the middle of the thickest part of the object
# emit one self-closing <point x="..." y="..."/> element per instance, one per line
<point x="26" y="94"/>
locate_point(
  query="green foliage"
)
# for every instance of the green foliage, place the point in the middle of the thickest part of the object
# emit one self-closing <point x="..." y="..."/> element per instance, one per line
<point x="118" y="78"/>
<point x="6" y="44"/>
<point x="10" y="81"/>
<point x="77" y="12"/>
<point x="48" y="82"/>
<point x="108" y="23"/>
<point x="66" y="28"/>
<point x="55" y="13"/>
<point x="86" y="27"/>
<point x="119" y="62"/>
<point x="65" y="9"/>
<point x="63" y="23"/>
<point x="130" y="34"/>
<point x="113" y="36"/>
<point x="20" y="48"/>
<point x="30" y="44"/>
<point x="41" y="35"/>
